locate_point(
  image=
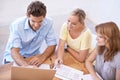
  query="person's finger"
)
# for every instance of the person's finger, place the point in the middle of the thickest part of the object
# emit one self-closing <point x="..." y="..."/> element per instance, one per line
<point x="58" y="62"/>
<point x="39" y="63"/>
<point x="32" y="61"/>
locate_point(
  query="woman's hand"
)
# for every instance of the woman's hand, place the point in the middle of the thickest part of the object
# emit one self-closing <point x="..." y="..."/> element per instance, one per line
<point x="58" y="61"/>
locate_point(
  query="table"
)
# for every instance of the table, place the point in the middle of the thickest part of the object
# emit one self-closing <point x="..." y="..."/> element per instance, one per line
<point x="5" y="70"/>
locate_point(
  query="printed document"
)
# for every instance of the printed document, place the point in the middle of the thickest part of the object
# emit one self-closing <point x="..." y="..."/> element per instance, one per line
<point x="68" y="73"/>
<point x="89" y="77"/>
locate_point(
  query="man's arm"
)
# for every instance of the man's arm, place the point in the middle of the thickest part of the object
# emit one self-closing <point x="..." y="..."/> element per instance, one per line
<point x="48" y="51"/>
<point x="18" y="57"/>
<point x="39" y="59"/>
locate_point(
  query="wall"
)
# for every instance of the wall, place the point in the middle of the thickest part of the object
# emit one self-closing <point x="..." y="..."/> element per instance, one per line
<point x="97" y="10"/>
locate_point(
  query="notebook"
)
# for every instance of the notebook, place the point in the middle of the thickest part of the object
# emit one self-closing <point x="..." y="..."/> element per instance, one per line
<point x="23" y="73"/>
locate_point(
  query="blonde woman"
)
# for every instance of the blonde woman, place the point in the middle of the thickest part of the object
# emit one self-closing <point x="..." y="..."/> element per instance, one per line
<point x="76" y="35"/>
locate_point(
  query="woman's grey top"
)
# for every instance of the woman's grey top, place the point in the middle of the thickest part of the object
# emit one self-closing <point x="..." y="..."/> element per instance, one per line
<point x="107" y="69"/>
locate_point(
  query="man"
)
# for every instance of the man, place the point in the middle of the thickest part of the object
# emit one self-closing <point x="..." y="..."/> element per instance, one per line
<point x="27" y="35"/>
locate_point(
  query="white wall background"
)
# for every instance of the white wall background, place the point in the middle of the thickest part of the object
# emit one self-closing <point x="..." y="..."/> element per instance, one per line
<point x="97" y="10"/>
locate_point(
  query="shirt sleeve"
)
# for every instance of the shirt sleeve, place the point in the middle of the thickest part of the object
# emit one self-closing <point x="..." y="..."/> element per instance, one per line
<point x="14" y="37"/>
<point x="86" y="40"/>
<point x="63" y="32"/>
<point x="116" y="60"/>
<point x="51" y="38"/>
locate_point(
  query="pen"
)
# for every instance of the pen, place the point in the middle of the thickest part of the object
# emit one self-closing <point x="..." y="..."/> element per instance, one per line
<point x="54" y="67"/>
<point x="51" y="60"/>
<point x="52" y="64"/>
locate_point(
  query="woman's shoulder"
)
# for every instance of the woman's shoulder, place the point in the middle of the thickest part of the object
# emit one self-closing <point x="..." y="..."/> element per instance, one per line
<point x="64" y="26"/>
<point x="116" y="60"/>
<point x="87" y="33"/>
<point x="87" y="30"/>
<point x="117" y="56"/>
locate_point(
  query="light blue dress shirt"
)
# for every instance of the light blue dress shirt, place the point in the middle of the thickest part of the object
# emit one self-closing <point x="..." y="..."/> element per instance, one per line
<point x="29" y="41"/>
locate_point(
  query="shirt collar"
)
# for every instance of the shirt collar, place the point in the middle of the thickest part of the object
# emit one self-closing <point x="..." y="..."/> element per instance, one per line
<point x="28" y="27"/>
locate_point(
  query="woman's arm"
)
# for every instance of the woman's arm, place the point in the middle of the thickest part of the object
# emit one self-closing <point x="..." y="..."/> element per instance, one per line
<point x="117" y="74"/>
<point x="85" y="45"/>
<point x="60" y="52"/>
<point x="89" y="65"/>
<point x="60" y="49"/>
<point x="80" y="56"/>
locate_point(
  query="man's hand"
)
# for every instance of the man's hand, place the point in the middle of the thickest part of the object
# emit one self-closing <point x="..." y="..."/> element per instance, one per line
<point x="37" y="60"/>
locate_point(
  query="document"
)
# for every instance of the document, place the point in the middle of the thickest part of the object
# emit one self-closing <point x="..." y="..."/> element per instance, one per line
<point x="87" y="77"/>
<point x="68" y="73"/>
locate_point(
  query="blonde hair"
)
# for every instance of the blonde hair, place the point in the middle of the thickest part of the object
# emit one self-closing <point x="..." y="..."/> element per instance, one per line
<point x="80" y="13"/>
<point x="111" y="34"/>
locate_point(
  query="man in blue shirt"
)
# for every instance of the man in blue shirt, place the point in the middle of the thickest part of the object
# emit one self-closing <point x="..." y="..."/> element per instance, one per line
<point x="27" y="35"/>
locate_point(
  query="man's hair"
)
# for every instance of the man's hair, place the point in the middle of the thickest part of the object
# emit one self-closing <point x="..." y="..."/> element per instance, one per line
<point x="111" y="34"/>
<point x="80" y="13"/>
<point x="36" y="8"/>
